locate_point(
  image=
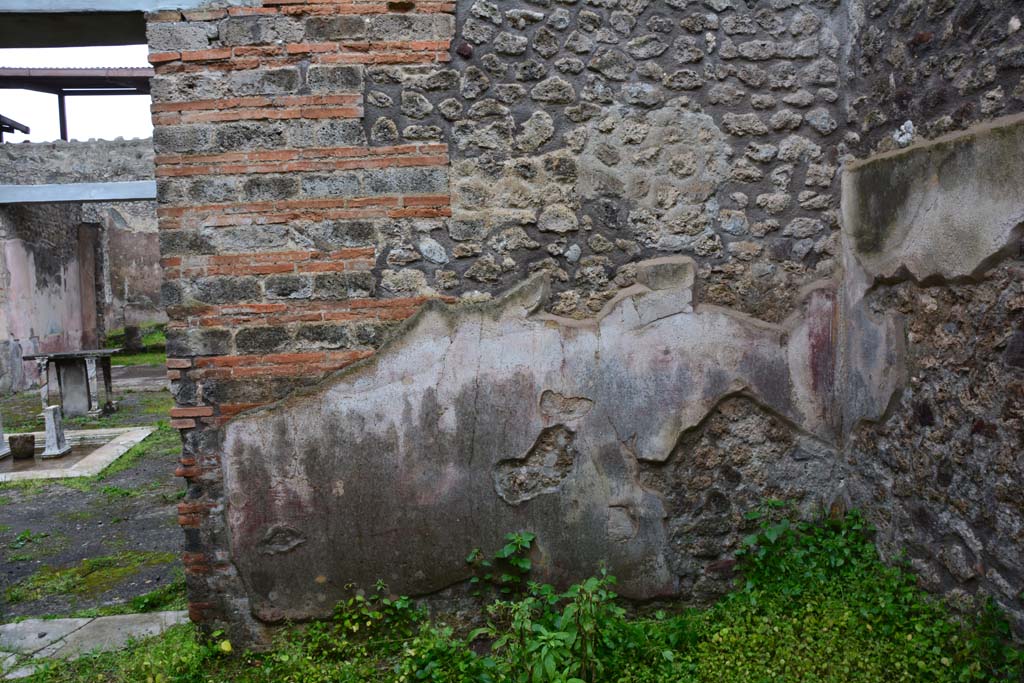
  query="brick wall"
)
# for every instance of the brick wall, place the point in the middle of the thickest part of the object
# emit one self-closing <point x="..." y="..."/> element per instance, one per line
<point x="271" y="203"/>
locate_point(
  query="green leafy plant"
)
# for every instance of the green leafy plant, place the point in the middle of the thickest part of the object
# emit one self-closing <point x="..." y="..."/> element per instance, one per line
<point x="24" y="538"/>
<point x="365" y="623"/>
<point x="506" y="572"/>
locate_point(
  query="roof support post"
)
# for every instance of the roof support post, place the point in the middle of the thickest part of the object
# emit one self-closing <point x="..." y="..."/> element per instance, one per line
<point x="62" y="112"/>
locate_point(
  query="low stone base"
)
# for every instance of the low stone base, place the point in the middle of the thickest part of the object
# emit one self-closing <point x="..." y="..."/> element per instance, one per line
<point x="45" y="455"/>
<point x="23" y="446"/>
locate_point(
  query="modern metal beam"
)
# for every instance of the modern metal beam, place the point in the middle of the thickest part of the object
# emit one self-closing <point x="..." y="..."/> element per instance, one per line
<point x="62" y="115"/>
<point x="78" y="192"/>
<point x="13" y="125"/>
<point x="116" y="81"/>
<point x="29" y="28"/>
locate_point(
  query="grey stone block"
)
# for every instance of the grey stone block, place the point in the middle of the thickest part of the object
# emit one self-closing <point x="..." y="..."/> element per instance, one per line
<point x="270" y="186"/>
<point x="401" y="181"/>
<point x="224" y="290"/>
<point x="282" y="81"/>
<point x="340" y="286"/>
<point x="198" y="342"/>
<point x="341" y="184"/>
<point x="399" y="27"/>
<point x="334" y="78"/>
<point x="259" y="340"/>
<point x="335" y="28"/>
<point x="175" y="36"/>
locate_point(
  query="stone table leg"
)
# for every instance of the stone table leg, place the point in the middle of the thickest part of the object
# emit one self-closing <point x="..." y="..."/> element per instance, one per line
<point x="73" y="379"/>
<point x="56" y="443"/>
<point x="43" y="365"/>
<point x="108" y="385"/>
<point x="94" y="390"/>
<point x="5" y="449"/>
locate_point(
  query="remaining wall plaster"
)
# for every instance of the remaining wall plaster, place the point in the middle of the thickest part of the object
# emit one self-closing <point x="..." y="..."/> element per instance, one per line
<point x="452" y="413"/>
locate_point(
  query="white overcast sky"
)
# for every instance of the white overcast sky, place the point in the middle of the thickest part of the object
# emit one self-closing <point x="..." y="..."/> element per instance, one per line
<point x="106" y="117"/>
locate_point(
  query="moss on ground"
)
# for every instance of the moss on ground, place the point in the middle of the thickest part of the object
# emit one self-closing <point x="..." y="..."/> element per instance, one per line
<point x="168" y="597"/>
<point x="29" y="547"/>
<point x="94" y="532"/>
<point x="22" y="412"/>
<point x="77" y="515"/>
<point x="134" y="406"/>
<point x="88" y="578"/>
<point x="164" y="441"/>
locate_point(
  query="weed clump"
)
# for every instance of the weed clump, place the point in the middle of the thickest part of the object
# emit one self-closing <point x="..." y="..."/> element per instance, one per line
<point x="814" y="604"/>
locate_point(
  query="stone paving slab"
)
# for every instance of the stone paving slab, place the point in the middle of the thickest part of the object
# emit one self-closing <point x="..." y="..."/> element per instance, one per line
<point x="112" y="633"/>
<point x="7" y="661"/>
<point x="32" y="635"/>
<point x="139" y="378"/>
<point x="69" y="638"/>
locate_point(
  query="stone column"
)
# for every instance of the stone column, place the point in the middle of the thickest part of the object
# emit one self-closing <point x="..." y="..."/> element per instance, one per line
<point x="56" y="443"/>
<point x="109" y="404"/>
<point x="43" y="364"/>
<point x="94" y="391"/>
<point x="5" y="450"/>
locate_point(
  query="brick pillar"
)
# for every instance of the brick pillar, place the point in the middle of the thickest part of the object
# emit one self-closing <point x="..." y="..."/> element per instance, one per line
<point x="271" y="200"/>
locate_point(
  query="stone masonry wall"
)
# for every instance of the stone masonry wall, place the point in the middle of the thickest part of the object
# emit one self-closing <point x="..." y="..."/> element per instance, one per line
<point x="129" y="273"/>
<point x="326" y="168"/>
<point x="941" y="64"/>
<point x="34" y="163"/>
<point x="272" y="201"/>
<point x="588" y="135"/>
<point x="933" y="235"/>
<point x="131" y="276"/>
<point x="942" y="476"/>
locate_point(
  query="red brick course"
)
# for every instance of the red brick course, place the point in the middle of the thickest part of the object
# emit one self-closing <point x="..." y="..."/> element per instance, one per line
<point x="213" y="381"/>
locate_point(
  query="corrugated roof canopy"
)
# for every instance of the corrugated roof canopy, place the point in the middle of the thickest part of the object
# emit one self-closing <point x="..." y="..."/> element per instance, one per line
<point x="103" y="81"/>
